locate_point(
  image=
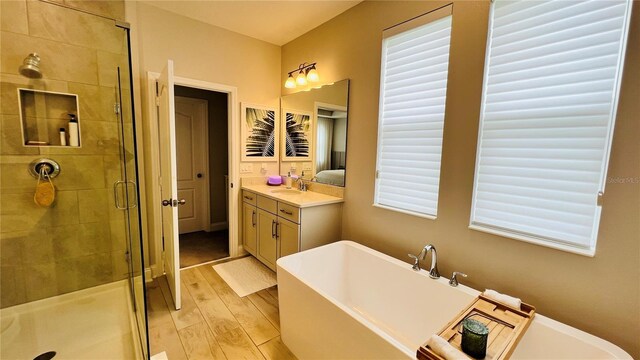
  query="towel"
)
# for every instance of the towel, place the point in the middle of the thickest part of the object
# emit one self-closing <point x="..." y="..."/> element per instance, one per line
<point x="502" y="298"/>
<point x="442" y="347"/>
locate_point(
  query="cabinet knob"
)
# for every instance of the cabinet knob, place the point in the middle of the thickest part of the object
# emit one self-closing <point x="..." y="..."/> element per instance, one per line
<point x="199" y="175"/>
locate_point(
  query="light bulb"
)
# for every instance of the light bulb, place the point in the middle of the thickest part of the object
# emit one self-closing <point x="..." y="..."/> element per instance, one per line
<point x="301" y="79"/>
<point x="312" y="75"/>
<point x="290" y="83"/>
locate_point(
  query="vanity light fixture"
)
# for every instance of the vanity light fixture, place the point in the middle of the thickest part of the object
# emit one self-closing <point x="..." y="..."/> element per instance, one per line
<point x="312" y="74"/>
<point x="290" y="83"/>
<point x="306" y="73"/>
<point x="301" y="79"/>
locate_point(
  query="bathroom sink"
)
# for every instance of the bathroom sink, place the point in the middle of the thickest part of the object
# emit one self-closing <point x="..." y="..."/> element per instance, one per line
<point x="286" y="191"/>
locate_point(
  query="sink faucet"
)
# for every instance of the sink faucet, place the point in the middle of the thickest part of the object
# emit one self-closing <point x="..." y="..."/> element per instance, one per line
<point x="433" y="271"/>
<point x="302" y="186"/>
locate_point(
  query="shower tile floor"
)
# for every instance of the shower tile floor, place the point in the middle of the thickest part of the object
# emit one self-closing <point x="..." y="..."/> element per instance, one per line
<point x="94" y="323"/>
<point x="214" y="322"/>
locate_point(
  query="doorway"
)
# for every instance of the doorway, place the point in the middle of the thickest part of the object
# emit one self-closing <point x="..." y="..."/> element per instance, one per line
<point x="202" y="174"/>
<point x="164" y="201"/>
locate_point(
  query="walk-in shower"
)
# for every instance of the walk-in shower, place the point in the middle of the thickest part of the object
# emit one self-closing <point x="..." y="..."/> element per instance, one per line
<point x="71" y="260"/>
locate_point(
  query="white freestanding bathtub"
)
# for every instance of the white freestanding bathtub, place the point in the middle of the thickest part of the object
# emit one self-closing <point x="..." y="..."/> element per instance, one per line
<point x="346" y="301"/>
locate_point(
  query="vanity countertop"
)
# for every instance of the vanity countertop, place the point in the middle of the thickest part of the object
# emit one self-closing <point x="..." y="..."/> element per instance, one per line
<point x="292" y="196"/>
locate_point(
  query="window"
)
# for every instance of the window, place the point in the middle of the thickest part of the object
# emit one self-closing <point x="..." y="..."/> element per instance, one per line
<point x="413" y="87"/>
<point x="551" y="83"/>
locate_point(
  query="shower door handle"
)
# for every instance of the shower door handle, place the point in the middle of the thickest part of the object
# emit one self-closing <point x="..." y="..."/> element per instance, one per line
<point x="135" y="194"/>
<point x="116" y="186"/>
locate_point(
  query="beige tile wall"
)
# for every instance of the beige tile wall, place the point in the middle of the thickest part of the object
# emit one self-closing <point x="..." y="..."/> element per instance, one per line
<point x="80" y="241"/>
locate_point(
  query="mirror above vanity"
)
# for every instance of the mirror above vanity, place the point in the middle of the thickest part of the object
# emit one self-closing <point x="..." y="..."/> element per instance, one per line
<point x="314" y="133"/>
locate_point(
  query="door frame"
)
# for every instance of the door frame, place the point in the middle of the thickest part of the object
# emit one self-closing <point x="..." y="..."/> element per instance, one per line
<point x="233" y="134"/>
<point x="205" y="202"/>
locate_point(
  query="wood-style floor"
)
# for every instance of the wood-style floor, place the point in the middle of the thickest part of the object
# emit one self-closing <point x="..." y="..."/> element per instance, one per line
<point x="201" y="246"/>
<point x="214" y="322"/>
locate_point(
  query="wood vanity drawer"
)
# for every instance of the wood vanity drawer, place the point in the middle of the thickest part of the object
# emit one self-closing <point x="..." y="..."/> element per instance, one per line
<point x="289" y="212"/>
<point x="249" y="197"/>
<point x="267" y="204"/>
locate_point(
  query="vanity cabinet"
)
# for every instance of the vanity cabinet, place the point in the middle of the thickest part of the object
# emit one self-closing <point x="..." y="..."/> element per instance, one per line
<point x="289" y="235"/>
<point x="249" y="227"/>
<point x="273" y="229"/>
<point x="267" y="238"/>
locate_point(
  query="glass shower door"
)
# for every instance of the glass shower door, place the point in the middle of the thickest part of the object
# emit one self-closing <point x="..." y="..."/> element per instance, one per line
<point x="126" y="192"/>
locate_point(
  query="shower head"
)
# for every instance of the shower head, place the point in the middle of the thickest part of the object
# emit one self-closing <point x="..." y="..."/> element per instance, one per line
<point x="31" y="66"/>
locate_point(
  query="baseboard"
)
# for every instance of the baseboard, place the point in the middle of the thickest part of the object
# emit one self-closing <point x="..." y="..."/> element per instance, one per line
<point x="148" y="275"/>
<point x="156" y="271"/>
<point x="223" y="225"/>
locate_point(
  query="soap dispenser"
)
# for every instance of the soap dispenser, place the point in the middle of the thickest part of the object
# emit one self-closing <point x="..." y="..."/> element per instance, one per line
<point x="288" y="181"/>
<point x="74" y="135"/>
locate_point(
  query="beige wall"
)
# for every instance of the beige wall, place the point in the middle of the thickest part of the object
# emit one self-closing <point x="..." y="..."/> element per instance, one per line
<point x="80" y="241"/>
<point x="600" y="295"/>
<point x="202" y="52"/>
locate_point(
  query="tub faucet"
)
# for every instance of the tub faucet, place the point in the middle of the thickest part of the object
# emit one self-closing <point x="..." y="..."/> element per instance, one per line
<point x="416" y="262"/>
<point x="433" y="270"/>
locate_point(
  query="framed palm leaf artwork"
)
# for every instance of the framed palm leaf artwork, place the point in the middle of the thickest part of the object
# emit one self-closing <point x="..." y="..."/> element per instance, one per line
<point x="296" y="135"/>
<point x="259" y="133"/>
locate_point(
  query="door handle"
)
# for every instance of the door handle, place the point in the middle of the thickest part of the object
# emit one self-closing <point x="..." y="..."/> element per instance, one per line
<point x="277" y="230"/>
<point x="273" y="231"/>
<point x="115" y="195"/>
<point x="253" y="218"/>
<point x="173" y="202"/>
<point x="135" y="194"/>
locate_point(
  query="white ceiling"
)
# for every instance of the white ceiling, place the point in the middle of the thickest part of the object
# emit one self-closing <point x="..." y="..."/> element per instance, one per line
<point x="276" y="22"/>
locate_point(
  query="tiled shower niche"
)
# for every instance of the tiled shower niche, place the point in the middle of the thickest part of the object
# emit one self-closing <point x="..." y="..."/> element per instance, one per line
<point x="43" y="114"/>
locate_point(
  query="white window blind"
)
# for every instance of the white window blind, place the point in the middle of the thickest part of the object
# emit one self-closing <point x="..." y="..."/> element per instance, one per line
<point x="551" y="84"/>
<point x="413" y="88"/>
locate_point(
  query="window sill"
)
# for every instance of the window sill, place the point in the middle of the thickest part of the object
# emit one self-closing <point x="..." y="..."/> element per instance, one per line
<point x="534" y="240"/>
<point x="413" y="213"/>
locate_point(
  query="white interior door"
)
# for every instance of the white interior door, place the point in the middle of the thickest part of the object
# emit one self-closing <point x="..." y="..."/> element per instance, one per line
<point x="192" y="163"/>
<point x="169" y="180"/>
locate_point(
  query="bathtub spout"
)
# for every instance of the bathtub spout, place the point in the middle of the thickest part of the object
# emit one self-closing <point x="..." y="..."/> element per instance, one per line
<point x="433" y="270"/>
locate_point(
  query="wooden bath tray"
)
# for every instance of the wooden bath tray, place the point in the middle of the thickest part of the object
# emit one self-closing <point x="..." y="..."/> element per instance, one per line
<point x="506" y="326"/>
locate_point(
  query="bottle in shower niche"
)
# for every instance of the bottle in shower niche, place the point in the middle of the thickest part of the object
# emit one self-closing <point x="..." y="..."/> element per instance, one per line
<point x="74" y="135"/>
<point x="63" y="137"/>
